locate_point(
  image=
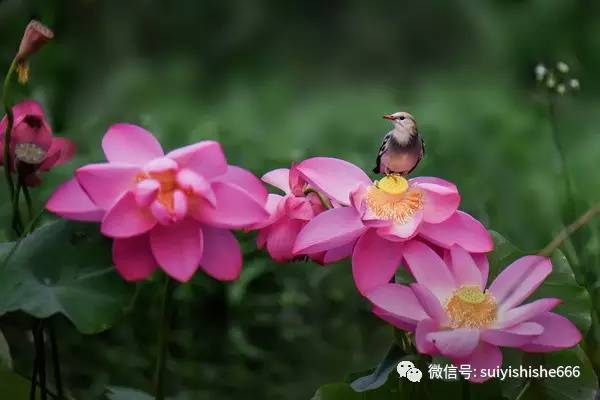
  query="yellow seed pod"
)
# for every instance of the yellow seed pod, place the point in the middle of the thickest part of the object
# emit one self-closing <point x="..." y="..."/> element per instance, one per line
<point x="393" y="184"/>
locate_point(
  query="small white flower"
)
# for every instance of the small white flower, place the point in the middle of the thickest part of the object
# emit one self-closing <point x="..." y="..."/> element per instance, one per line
<point x="561" y="88"/>
<point x="551" y="81"/>
<point x="574" y="84"/>
<point x="540" y="72"/>
<point x="562" y="67"/>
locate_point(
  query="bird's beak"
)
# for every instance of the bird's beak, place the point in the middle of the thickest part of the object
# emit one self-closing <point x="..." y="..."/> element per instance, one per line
<point x="390" y="117"/>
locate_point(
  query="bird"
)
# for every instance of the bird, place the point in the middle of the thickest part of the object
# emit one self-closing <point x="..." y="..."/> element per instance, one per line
<point x="402" y="148"/>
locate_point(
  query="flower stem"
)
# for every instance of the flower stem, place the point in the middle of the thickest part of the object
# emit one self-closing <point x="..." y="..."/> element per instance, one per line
<point x="567" y="231"/>
<point x="165" y="331"/>
<point x="17" y="223"/>
<point x="40" y="357"/>
<point x="568" y="185"/>
<point x="28" y="202"/>
<point x="55" y="361"/>
<point x="523" y="390"/>
<point x="7" y="162"/>
<point x="36" y="362"/>
<point x="8" y="131"/>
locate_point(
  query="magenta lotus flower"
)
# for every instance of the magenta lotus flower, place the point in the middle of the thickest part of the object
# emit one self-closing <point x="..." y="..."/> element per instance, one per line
<point x="289" y="214"/>
<point x="33" y="148"/>
<point x="383" y="216"/>
<point x="452" y="313"/>
<point x="174" y="211"/>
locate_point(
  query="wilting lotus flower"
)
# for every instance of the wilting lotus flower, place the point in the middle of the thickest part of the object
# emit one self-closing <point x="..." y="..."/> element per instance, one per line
<point x="33" y="148"/>
<point x="36" y="35"/>
<point x="383" y="216"/>
<point x="452" y="313"/>
<point x="290" y="213"/>
<point x="174" y="211"/>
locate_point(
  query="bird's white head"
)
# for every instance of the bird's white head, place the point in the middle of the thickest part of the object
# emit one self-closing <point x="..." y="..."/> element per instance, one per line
<point x="402" y="120"/>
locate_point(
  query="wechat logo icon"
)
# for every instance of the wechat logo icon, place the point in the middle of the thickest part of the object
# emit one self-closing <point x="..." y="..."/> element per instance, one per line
<point x="406" y="369"/>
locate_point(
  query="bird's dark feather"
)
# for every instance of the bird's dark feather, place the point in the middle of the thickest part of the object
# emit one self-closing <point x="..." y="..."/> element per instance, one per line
<point x="382" y="148"/>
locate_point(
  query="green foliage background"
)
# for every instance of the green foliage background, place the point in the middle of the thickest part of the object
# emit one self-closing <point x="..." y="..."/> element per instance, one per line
<point x="277" y="81"/>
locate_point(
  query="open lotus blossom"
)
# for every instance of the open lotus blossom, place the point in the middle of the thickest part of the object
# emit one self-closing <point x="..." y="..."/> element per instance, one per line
<point x="382" y="216"/>
<point x="174" y="211"/>
<point x="33" y="148"/>
<point x="290" y="213"/>
<point x="453" y="314"/>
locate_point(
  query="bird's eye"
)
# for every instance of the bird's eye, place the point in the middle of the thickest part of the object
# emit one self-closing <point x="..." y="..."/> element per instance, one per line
<point x="401" y="118"/>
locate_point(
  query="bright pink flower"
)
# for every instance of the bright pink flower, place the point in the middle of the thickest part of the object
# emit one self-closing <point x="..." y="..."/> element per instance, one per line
<point x="289" y="214"/>
<point x="383" y="216"/>
<point x="452" y="313"/>
<point x="173" y="210"/>
<point x="33" y="148"/>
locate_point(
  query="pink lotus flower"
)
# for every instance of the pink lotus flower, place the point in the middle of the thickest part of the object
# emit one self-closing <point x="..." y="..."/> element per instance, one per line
<point x="384" y="215"/>
<point x="33" y="148"/>
<point x="452" y="313"/>
<point x="289" y="214"/>
<point x="173" y="210"/>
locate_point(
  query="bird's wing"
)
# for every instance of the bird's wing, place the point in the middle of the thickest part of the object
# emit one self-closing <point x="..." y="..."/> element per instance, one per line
<point x="382" y="149"/>
<point x="420" y="156"/>
<point x="384" y="144"/>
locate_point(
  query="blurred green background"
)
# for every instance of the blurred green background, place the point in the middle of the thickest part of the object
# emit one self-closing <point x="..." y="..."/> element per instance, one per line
<point x="277" y="81"/>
